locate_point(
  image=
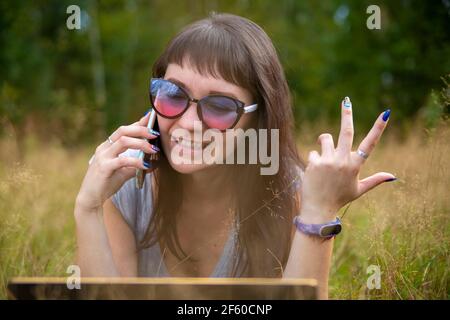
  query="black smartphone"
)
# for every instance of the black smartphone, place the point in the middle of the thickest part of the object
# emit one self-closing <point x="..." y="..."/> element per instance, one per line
<point x="153" y="158"/>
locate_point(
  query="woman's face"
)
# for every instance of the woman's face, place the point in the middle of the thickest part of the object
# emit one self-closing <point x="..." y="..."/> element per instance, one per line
<point x="197" y="86"/>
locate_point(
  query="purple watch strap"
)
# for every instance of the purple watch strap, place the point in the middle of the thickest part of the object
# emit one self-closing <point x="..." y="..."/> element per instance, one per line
<point x="316" y="229"/>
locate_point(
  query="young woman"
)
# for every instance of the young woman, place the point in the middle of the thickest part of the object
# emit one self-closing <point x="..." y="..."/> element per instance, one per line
<point x="211" y="219"/>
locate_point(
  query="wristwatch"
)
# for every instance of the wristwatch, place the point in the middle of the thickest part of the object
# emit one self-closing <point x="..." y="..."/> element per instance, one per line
<point x="325" y="230"/>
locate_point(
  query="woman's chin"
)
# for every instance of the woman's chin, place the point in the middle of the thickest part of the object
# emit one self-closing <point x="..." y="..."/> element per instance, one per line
<point x="189" y="168"/>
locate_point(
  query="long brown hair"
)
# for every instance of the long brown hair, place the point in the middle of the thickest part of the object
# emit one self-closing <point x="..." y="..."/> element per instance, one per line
<point x="239" y="51"/>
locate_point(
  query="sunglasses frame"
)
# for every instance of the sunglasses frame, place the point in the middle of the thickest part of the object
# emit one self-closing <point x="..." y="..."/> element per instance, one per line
<point x="241" y="108"/>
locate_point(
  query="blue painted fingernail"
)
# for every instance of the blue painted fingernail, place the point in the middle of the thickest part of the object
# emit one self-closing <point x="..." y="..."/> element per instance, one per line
<point x="390" y="179"/>
<point x="154" y="132"/>
<point x="146" y="112"/>
<point x="386" y="115"/>
<point x="347" y="102"/>
<point x="147" y="165"/>
<point x="155" y="148"/>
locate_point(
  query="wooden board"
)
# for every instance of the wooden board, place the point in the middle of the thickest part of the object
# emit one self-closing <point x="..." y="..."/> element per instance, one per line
<point x="164" y="288"/>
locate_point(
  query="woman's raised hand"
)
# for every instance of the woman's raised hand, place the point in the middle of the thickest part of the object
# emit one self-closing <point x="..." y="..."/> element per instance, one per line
<point x="331" y="179"/>
<point x="107" y="171"/>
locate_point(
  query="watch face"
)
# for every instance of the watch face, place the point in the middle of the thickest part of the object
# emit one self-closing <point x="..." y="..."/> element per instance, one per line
<point x="327" y="231"/>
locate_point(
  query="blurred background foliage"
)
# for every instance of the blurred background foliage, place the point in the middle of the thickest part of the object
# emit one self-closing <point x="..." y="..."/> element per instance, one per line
<point x="79" y="85"/>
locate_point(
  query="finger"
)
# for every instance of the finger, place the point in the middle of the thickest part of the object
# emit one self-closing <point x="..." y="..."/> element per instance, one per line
<point x="125" y="142"/>
<point x="137" y="131"/>
<point x="327" y="144"/>
<point x="373" y="181"/>
<point x="345" y="141"/>
<point x="121" y="162"/>
<point x="140" y="132"/>
<point x="374" y="135"/>
<point x="127" y="172"/>
<point x="100" y="148"/>
<point x="313" y="156"/>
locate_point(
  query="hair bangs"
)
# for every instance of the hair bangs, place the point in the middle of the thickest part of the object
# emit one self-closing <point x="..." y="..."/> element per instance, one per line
<point x="211" y="51"/>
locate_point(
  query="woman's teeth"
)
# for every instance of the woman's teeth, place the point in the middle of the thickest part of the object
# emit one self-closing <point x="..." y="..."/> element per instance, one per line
<point x="188" y="144"/>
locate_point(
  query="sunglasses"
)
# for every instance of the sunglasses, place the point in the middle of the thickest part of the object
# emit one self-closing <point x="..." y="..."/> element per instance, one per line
<point x="215" y="111"/>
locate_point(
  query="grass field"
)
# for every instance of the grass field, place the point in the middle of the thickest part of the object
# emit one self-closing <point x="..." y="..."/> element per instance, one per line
<point x="403" y="227"/>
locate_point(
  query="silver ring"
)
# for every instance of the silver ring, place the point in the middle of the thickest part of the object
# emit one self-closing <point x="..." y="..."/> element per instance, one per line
<point x="91" y="159"/>
<point x="110" y="141"/>
<point x="362" y="154"/>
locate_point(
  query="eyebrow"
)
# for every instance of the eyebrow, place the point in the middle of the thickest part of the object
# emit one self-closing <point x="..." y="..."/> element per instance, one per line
<point x="181" y="84"/>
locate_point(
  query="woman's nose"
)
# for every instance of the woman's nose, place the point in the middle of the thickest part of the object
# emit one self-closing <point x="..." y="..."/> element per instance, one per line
<point x="189" y="117"/>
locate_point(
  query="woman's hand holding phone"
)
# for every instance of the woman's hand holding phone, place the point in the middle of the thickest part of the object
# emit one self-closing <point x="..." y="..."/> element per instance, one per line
<point x="107" y="171"/>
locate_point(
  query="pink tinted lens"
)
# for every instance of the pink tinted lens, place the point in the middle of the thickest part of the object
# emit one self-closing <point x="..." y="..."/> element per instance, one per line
<point x="168" y="99"/>
<point x="219" y="112"/>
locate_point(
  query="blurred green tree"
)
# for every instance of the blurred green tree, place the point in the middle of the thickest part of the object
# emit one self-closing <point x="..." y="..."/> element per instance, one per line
<point x="78" y="85"/>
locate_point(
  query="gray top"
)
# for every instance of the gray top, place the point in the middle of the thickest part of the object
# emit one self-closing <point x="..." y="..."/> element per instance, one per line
<point x="136" y="207"/>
